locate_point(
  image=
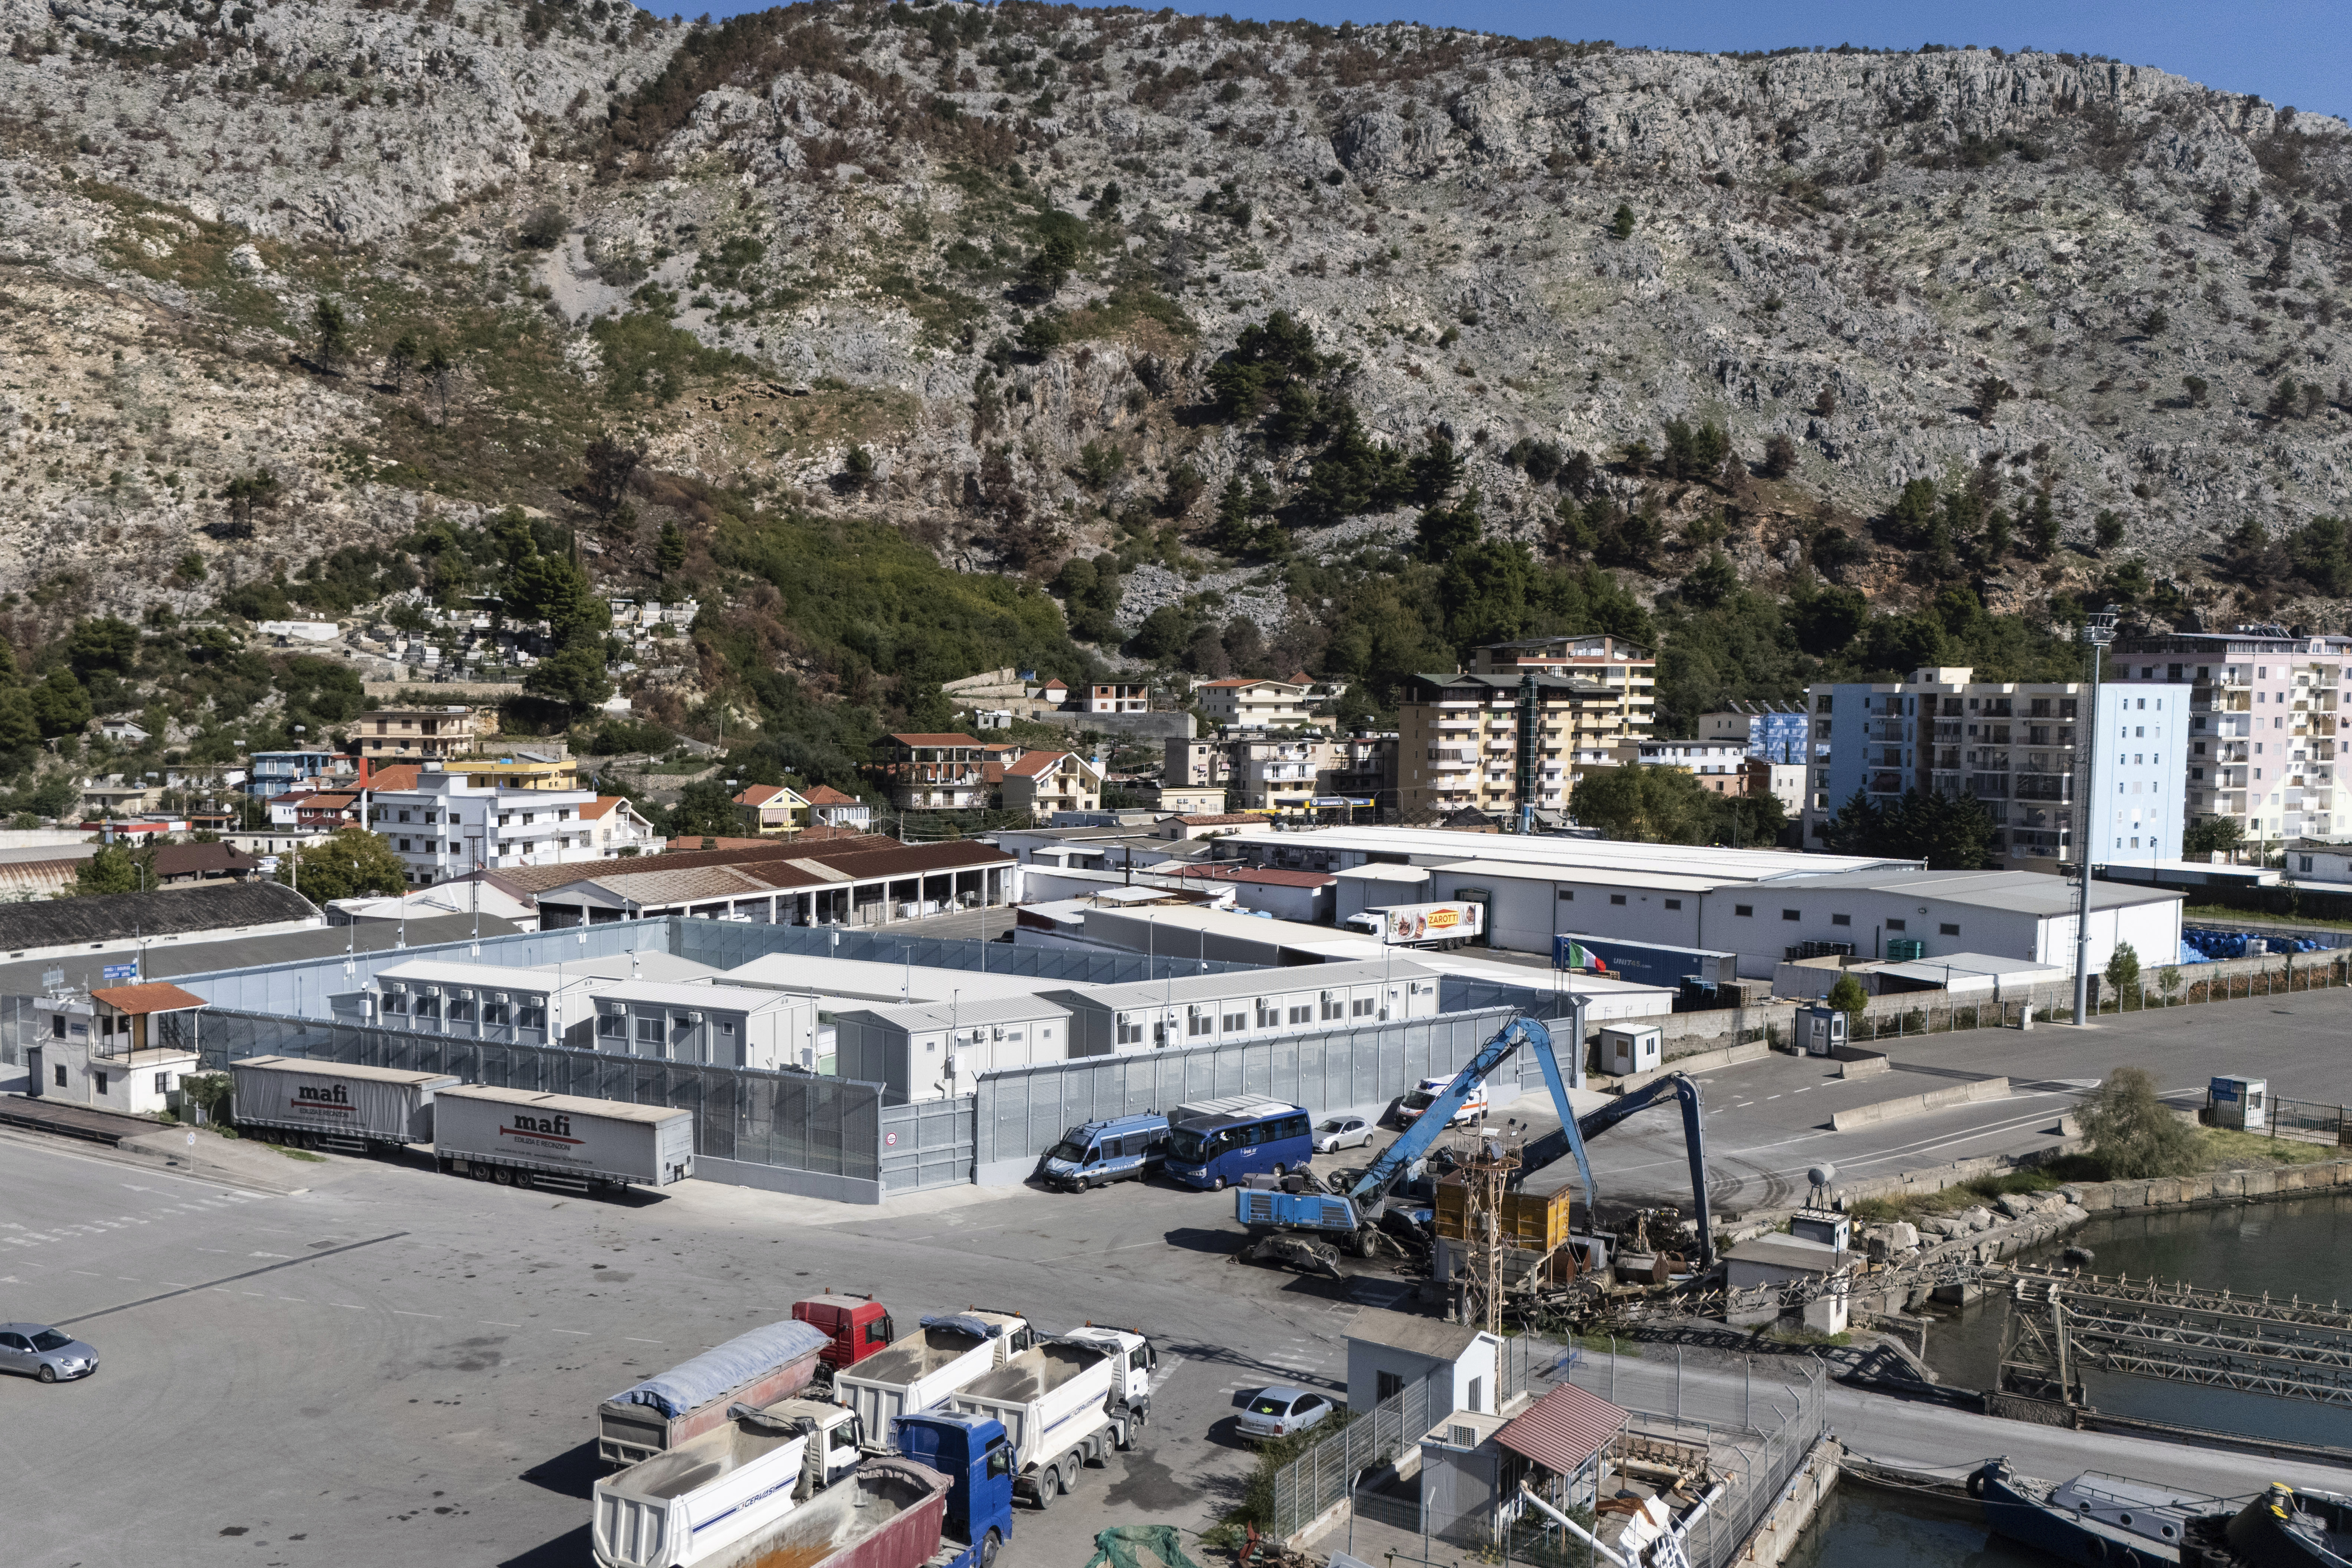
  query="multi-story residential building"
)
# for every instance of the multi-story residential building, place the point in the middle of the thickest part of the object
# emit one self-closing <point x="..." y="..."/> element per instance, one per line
<point x="1275" y="770"/>
<point x="932" y="772"/>
<point x="446" y="825"/>
<point x="1118" y="697"/>
<point x="1609" y="662"/>
<point x="1718" y="765"/>
<point x="414" y="735"/>
<point x="2263" y="714"/>
<point x="1784" y="781"/>
<point x="1364" y="767"/>
<point x="274" y="773"/>
<point x="518" y="770"/>
<point x="1468" y="742"/>
<point x="2018" y="747"/>
<point x="773" y="809"/>
<point x="1243" y="702"/>
<point x="619" y="827"/>
<point x="1043" y="782"/>
<point x="1773" y="733"/>
<point x="1193" y="764"/>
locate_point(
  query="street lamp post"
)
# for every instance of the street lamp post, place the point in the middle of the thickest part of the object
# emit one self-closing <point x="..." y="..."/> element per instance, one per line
<point x="2098" y="631"/>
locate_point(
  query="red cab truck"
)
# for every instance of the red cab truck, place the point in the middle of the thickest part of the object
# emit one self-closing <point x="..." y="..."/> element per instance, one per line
<point x="855" y="1326"/>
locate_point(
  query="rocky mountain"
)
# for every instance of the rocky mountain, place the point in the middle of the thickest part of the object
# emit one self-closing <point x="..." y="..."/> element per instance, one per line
<point x="991" y="274"/>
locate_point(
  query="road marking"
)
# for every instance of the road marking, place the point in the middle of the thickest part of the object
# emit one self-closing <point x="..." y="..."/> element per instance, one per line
<point x="304" y="1301"/>
<point x="93" y="1274"/>
<point x="581" y="1332"/>
<point x="126" y="1279"/>
<point x="232" y="1279"/>
<point x="266" y="1255"/>
<point x="1807" y="1090"/>
<point x="1771" y="1096"/>
<point x="355" y="1308"/>
<point x="635" y="1340"/>
<point x="398" y="1313"/>
<point x="496" y="1324"/>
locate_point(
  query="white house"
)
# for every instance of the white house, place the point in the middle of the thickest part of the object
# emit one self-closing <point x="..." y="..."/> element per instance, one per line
<point x="446" y="826"/>
<point x="1244" y="703"/>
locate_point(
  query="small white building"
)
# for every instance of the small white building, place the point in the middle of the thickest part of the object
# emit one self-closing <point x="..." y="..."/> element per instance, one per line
<point x="1389" y="1351"/>
<point x="1261" y="1004"/>
<point x="719" y="1025"/>
<point x="932" y="1050"/>
<point x="103" y="1050"/>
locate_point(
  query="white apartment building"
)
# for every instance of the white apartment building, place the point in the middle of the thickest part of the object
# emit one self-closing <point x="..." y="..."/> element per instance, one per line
<point x="2018" y="749"/>
<point x="2262" y="706"/>
<point x="1720" y="765"/>
<point x="446" y="826"/>
<point x="1246" y="703"/>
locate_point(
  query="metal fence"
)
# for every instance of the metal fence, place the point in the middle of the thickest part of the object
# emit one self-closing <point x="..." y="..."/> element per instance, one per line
<point x="1328" y="1472"/>
<point x="825" y="1125"/>
<point x="1021" y="1112"/>
<point x="927" y="1144"/>
<point x="2310" y="1119"/>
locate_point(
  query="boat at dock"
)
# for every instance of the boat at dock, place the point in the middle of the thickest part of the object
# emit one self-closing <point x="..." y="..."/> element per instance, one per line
<point x="2282" y="1527"/>
<point x="2095" y="1520"/>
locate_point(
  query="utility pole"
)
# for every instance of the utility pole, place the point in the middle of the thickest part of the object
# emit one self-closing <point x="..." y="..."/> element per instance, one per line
<point x="2098" y="631"/>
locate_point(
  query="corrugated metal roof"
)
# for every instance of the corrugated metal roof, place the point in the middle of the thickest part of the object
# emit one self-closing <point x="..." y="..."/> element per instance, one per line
<point x="155" y="996"/>
<point x="1564" y="1428"/>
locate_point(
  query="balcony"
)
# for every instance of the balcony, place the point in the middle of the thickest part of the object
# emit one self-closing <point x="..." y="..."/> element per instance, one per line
<point x="2045" y="786"/>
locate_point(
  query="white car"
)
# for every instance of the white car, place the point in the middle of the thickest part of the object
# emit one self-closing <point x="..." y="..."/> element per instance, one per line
<point x="1428" y="1093"/>
<point x="1337" y="1133"/>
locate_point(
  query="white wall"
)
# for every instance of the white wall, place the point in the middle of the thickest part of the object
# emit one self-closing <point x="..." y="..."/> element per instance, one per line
<point x="1366" y="1362"/>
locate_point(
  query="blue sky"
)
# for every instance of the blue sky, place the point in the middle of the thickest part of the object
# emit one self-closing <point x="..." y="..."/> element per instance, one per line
<point x="2289" y="51"/>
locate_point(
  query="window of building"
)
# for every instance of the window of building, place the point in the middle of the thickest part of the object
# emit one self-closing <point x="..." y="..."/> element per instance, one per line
<point x="1130" y="1029"/>
<point x="1235" y="1021"/>
<point x="1616" y="898"/>
<point x="61" y="1075"/>
<point x="1565" y="896"/>
<point x="494" y="1013"/>
<point x="1841" y="920"/>
<point x="1948" y="929"/>
<point x="1200" y="1020"/>
<point x="1895" y="925"/>
<point x="1743" y="908"/>
<point x="1790" y="915"/>
<point x="1304" y="1013"/>
<point x="1363" y="1007"/>
<point x="1673" y="903"/>
<point x="649" y="1030"/>
<point x="163" y="1083"/>
<point x="461" y="1009"/>
<point x="1334" y="1005"/>
<point x="1269" y="1014"/>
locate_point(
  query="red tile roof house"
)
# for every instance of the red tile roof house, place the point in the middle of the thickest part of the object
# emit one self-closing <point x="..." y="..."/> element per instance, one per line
<point x="1043" y="782"/>
<point x="828" y="807"/>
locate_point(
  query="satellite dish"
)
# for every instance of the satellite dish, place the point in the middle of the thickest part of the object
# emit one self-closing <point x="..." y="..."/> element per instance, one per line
<point x="1822" y="1175"/>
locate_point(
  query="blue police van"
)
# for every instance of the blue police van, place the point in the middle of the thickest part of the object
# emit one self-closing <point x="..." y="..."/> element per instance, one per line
<point x="1125" y="1148"/>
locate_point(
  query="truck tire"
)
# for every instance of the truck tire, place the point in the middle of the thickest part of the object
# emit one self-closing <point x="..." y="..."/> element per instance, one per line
<point x="1049" y="1485"/>
<point x="987" y="1549"/>
<point x="502" y="1176"/>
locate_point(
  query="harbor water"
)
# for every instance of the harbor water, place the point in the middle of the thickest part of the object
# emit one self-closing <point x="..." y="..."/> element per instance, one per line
<point x="1867" y="1527"/>
<point x="2302" y="1247"/>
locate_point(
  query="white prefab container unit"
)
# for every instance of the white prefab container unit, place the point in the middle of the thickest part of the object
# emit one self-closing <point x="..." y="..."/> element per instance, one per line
<point x="520" y="1135"/>
<point x="1259" y="1005"/>
<point x="721" y="1025"/>
<point x="933" y="1051"/>
<point x="336" y="1101"/>
<point x="464" y="1001"/>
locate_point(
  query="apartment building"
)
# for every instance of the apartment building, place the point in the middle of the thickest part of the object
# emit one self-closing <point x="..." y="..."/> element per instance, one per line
<point x="1191" y="764"/>
<point x="2019" y="749"/>
<point x="273" y="774"/>
<point x="1363" y="766"/>
<point x="447" y="825"/>
<point x="414" y="735"/>
<point x="1276" y="771"/>
<point x="932" y="772"/>
<point x="1769" y="731"/>
<point x="1467" y="742"/>
<point x="1627" y="668"/>
<point x="2263" y="710"/>
<point x="1043" y="782"/>
<point x="1118" y="697"/>
<point x="1243" y="702"/>
<point x="1718" y="765"/>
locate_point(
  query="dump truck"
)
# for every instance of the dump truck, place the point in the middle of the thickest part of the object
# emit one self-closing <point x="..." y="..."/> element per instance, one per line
<point x="922" y="1370"/>
<point x="976" y="1457"/>
<point x="857" y="1326"/>
<point x="1063" y="1404"/>
<point x="754" y="1369"/>
<point x="334" y="1105"/>
<point x="521" y="1137"/>
<point x="693" y="1503"/>
<point x="887" y="1513"/>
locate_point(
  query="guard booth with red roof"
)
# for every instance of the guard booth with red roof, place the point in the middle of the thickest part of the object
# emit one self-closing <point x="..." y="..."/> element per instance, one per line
<point x="108" y="1051"/>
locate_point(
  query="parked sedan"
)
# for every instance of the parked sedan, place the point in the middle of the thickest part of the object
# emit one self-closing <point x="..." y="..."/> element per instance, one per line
<point x="50" y="1354"/>
<point x="1279" y="1412"/>
<point x="1337" y="1132"/>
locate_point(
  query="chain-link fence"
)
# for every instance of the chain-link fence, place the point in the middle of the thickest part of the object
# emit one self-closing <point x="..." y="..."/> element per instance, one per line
<point x="827" y="1126"/>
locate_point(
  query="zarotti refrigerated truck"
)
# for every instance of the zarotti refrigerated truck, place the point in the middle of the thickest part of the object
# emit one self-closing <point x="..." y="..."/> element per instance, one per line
<point x="334" y="1104"/>
<point x="511" y="1135"/>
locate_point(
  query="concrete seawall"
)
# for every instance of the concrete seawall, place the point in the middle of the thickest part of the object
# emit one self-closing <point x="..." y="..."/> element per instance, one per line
<point x="1918" y="1104"/>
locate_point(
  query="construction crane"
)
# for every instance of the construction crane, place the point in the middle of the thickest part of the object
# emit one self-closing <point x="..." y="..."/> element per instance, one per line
<point x="1351" y="1218"/>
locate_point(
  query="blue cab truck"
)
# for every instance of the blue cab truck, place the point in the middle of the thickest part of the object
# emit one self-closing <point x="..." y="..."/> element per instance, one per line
<point x="979" y="1460"/>
<point x="1123" y="1149"/>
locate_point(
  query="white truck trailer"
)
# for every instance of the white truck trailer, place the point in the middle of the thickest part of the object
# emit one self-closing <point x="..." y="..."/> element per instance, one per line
<point x="923" y="1369"/>
<point x="694" y="1503"/>
<point x="521" y="1136"/>
<point x="334" y="1105"/>
<point x="1065" y="1402"/>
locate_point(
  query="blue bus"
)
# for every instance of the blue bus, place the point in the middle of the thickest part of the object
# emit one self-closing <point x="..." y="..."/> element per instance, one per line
<point x="1216" y="1142"/>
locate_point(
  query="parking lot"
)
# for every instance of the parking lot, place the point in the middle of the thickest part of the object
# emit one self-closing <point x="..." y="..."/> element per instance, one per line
<point x="396" y="1366"/>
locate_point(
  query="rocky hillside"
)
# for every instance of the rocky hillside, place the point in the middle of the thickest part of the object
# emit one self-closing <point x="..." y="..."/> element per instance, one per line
<point x="982" y="273"/>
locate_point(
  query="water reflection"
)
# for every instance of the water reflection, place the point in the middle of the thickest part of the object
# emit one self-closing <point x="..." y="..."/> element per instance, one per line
<point x="1863" y="1527"/>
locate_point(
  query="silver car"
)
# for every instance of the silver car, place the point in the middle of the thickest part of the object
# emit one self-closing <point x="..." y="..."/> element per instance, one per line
<point x="50" y="1354"/>
<point x="1278" y="1412"/>
<point x="1337" y="1132"/>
